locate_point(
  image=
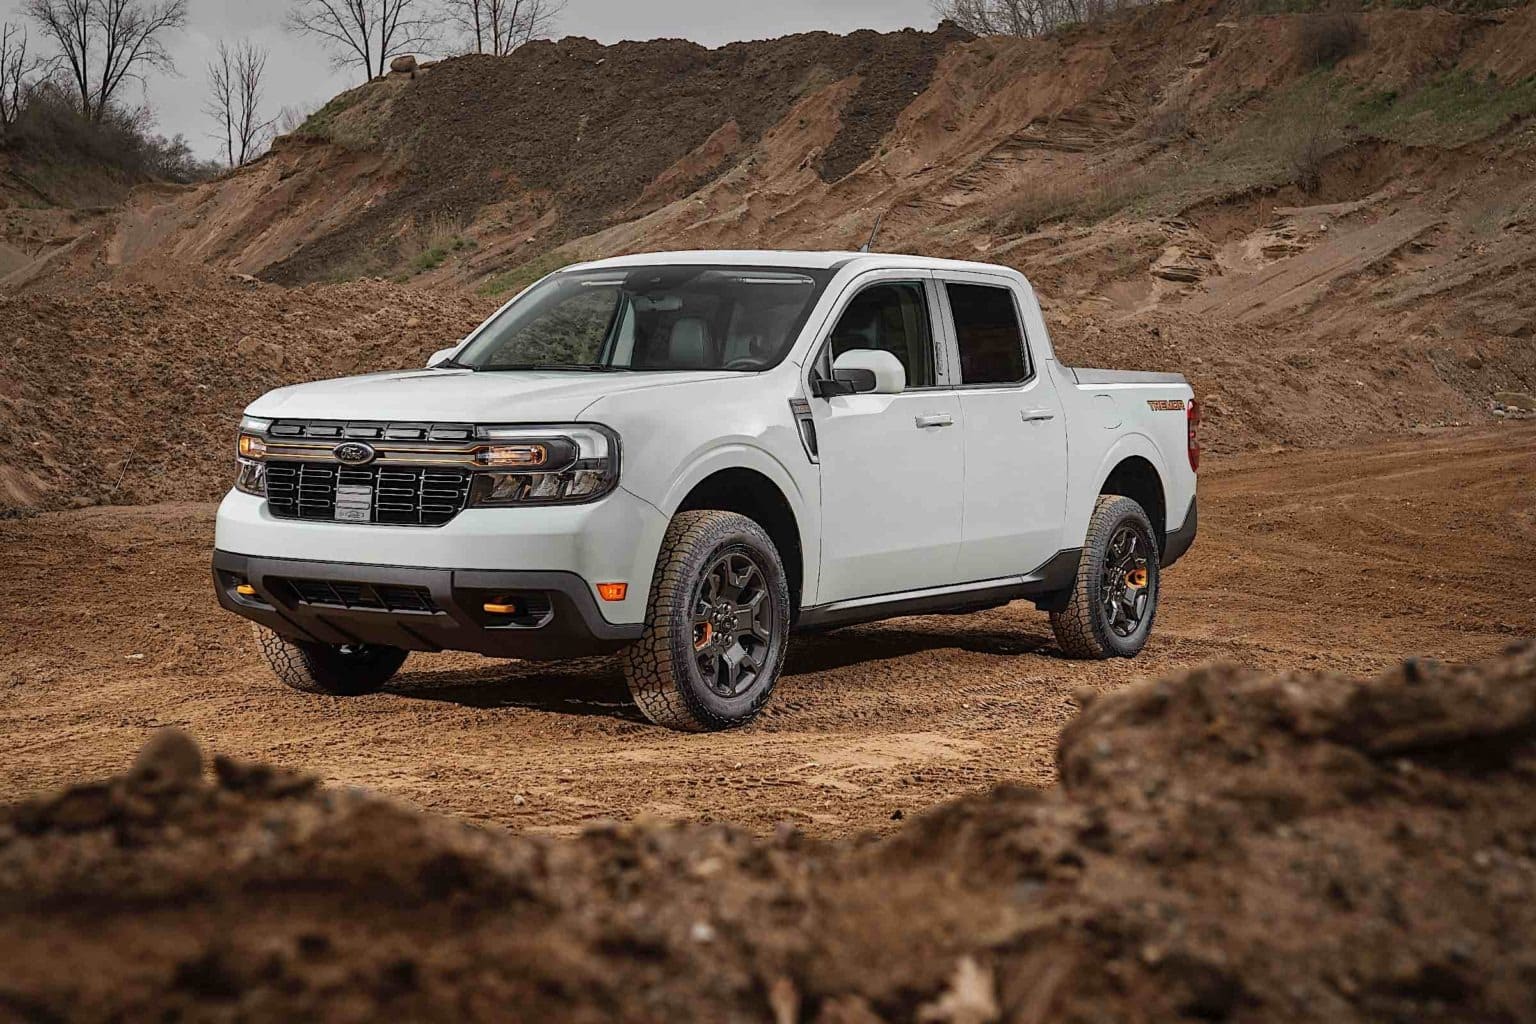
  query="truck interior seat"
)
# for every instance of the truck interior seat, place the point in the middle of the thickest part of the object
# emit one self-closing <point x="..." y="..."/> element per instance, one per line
<point x="689" y="342"/>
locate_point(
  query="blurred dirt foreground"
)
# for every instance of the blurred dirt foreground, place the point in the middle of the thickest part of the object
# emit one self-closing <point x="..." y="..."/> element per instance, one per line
<point x="1223" y="844"/>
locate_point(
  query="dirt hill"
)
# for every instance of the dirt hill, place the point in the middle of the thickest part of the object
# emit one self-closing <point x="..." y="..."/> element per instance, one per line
<point x="1223" y="846"/>
<point x="1082" y="158"/>
<point x="1324" y="219"/>
<point x="130" y="393"/>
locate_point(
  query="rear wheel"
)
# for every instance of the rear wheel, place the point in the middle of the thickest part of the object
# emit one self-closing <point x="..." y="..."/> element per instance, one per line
<point x="344" y="670"/>
<point x="1113" y="600"/>
<point x="716" y="625"/>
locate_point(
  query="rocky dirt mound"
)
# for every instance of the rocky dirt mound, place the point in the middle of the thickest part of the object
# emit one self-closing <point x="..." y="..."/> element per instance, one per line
<point x="577" y="132"/>
<point x="129" y="393"/>
<point x="1223" y="845"/>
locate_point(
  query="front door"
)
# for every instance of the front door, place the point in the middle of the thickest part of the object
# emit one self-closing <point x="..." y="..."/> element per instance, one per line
<point x="892" y="466"/>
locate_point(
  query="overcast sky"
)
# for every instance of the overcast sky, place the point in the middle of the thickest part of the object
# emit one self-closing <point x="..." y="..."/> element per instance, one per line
<point x="299" y="73"/>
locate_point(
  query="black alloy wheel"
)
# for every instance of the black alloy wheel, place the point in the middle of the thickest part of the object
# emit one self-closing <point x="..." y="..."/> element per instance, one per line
<point x="1125" y="584"/>
<point x="733" y="624"/>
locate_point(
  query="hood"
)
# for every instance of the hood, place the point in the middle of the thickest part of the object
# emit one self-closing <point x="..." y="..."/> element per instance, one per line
<point x="462" y="396"/>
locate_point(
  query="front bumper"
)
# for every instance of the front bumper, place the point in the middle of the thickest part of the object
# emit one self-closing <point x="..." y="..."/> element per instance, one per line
<point x="419" y="609"/>
<point x="612" y="540"/>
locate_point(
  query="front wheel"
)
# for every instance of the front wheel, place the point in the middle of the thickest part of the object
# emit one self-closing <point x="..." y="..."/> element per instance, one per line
<point x="346" y="670"/>
<point x="1113" y="600"/>
<point x="716" y="625"/>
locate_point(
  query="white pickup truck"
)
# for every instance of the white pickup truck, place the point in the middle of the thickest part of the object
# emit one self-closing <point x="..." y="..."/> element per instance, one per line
<point x="682" y="458"/>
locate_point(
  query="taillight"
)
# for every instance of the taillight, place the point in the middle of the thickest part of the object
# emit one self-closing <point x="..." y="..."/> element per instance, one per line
<point x="1193" y="419"/>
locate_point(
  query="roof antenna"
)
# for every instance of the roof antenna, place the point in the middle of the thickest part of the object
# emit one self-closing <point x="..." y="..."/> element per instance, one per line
<point x="873" y="234"/>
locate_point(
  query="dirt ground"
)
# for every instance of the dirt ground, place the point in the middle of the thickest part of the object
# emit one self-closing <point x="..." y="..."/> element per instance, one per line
<point x="1225" y="845"/>
<point x="1341" y="560"/>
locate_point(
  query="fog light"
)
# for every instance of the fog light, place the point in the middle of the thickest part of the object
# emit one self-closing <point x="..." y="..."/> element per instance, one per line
<point x="612" y="591"/>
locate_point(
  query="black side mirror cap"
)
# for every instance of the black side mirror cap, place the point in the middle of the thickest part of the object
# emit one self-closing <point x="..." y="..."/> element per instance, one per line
<point x="821" y="387"/>
<point x="845" y="382"/>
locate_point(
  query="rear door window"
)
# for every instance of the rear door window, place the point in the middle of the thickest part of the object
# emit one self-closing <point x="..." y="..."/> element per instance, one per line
<point x="988" y="334"/>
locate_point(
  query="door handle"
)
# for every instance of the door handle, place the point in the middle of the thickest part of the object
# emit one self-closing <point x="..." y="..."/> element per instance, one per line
<point x="1036" y="415"/>
<point x="942" y="419"/>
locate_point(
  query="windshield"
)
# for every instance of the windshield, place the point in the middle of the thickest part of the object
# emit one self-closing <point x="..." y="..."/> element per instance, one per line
<point x="651" y="318"/>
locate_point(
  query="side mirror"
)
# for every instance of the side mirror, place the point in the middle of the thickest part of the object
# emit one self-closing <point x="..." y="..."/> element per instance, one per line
<point x="864" y="370"/>
<point x="440" y="355"/>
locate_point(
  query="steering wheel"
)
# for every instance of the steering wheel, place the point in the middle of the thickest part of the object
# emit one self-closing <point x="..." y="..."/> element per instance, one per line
<point x="744" y="363"/>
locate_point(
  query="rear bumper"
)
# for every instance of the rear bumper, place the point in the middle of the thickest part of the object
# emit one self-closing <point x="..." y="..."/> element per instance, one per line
<point x="420" y="609"/>
<point x="1179" y="541"/>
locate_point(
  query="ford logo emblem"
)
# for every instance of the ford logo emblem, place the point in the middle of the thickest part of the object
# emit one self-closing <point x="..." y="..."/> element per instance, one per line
<point x="354" y="453"/>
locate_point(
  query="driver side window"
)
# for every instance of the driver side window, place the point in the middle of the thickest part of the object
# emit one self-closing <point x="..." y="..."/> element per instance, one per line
<point x="891" y="316"/>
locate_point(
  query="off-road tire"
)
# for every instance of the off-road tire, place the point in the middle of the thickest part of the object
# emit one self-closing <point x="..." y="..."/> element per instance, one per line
<point x="1082" y="627"/>
<point x="321" y="668"/>
<point x="662" y="666"/>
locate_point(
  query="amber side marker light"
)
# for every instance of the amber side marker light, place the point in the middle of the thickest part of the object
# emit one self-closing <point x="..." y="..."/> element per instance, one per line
<point x="612" y="591"/>
<point x="245" y="590"/>
<point x="501" y="607"/>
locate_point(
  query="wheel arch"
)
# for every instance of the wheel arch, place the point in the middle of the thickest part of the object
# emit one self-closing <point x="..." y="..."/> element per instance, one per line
<point x="749" y="492"/>
<point x="1137" y="478"/>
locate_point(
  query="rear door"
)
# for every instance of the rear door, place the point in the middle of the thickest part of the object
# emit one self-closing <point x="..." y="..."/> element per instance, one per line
<point x="1014" y="432"/>
<point x="892" y="466"/>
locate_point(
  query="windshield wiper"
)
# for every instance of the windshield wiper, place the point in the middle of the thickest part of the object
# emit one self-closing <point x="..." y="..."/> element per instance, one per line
<point x="566" y="367"/>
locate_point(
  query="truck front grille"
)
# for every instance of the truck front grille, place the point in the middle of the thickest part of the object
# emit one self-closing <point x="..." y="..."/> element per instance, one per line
<point x="400" y="496"/>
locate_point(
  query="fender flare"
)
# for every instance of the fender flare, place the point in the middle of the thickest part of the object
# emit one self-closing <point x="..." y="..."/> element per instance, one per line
<point x="737" y="454"/>
<point x="1132" y="445"/>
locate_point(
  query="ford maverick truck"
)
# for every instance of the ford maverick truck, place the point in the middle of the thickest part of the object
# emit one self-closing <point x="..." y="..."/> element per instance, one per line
<point x="684" y="458"/>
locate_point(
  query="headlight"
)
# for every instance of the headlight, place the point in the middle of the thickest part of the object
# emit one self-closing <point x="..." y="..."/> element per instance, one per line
<point x="252" y="443"/>
<point x="545" y="465"/>
<point x="250" y="447"/>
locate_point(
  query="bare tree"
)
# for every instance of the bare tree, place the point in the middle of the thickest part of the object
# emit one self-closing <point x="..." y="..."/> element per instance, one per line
<point x="1026" y="17"/>
<point x="363" y="33"/>
<point x="21" y="71"/>
<point x="104" y="43"/>
<point x="234" y="100"/>
<point x="292" y="117"/>
<point x="500" y="26"/>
